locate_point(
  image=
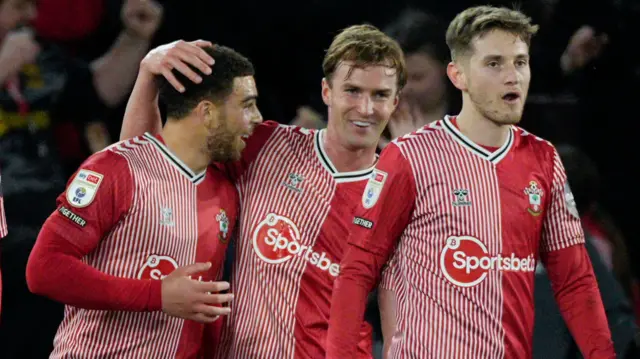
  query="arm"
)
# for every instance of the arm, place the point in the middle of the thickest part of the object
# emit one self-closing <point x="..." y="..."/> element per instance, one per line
<point x="570" y="271"/>
<point x="387" y="305"/>
<point x="114" y="72"/>
<point x="56" y="268"/>
<point x="368" y="251"/>
<point x="142" y="113"/>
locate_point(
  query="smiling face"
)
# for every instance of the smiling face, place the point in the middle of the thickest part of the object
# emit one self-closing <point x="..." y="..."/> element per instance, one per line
<point x="364" y="70"/>
<point x="228" y="122"/>
<point x="360" y="102"/>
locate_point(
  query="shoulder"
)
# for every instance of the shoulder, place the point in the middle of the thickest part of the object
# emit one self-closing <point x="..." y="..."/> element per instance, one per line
<point x="421" y="137"/>
<point x="534" y="145"/>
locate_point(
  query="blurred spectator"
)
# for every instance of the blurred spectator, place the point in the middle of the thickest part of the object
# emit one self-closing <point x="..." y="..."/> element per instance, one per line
<point x="607" y="239"/>
<point x="428" y="95"/>
<point x="551" y="336"/>
<point x="41" y="86"/>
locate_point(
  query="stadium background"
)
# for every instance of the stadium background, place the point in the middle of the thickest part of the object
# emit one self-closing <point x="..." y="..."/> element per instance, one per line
<point x="592" y="108"/>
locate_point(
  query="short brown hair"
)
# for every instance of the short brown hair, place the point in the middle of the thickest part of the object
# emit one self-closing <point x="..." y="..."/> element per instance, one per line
<point x="479" y="20"/>
<point x="365" y="45"/>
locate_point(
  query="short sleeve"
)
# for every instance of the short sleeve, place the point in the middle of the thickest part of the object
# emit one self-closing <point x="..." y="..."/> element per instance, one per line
<point x="387" y="204"/>
<point x="97" y="196"/>
<point x="388" y="278"/>
<point x="562" y="227"/>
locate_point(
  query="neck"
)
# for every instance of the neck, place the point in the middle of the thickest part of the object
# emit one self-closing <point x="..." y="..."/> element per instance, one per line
<point x="179" y="137"/>
<point x="434" y="114"/>
<point x="347" y="159"/>
<point x="480" y="129"/>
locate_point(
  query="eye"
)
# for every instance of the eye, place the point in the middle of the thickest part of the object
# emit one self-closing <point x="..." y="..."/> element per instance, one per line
<point x="521" y="63"/>
<point x="493" y="64"/>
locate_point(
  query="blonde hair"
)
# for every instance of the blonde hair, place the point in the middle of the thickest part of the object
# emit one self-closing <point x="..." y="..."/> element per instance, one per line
<point x="365" y="45"/>
<point x="477" y="21"/>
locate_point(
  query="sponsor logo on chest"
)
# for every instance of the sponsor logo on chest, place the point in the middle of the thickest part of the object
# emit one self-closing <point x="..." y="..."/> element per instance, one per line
<point x="466" y="262"/>
<point x="276" y="240"/>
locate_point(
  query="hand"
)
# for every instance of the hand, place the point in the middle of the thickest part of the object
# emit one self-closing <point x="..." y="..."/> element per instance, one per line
<point x="404" y="120"/>
<point x="306" y="117"/>
<point x="186" y="298"/>
<point x="141" y="18"/>
<point x="18" y="49"/>
<point x="584" y="46"/>
<point x="176" y="55"/>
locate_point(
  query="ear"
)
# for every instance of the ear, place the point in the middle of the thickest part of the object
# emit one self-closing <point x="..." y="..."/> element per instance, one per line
<point x="207" y="112"/>
<point x="456" y="74"/>
<point x="326" y="91"/>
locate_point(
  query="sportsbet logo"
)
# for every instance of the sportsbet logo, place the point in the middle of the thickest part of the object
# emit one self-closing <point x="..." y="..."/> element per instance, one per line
<point x="157" y="267"/>
<point x="276" y="240"/>
<point x="465" y="261"/>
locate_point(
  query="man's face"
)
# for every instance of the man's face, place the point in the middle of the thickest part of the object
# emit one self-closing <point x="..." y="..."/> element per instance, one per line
<point x="14" y="13"/>
<point x="426" y="86"/>
<point x="498" y="75"/>
<point x="360" y="102"/>
<point x="235" y="119"/>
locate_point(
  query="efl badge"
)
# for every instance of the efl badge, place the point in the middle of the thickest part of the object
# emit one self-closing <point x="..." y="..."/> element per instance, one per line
<point x="82" y="190"/>
<point x="373" y="189"/>
<point x="535" y="198"/>
<point x="223" y="220"/>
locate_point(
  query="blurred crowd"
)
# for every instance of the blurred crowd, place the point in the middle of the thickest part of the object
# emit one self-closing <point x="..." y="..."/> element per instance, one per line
<point x="67" y="66"/>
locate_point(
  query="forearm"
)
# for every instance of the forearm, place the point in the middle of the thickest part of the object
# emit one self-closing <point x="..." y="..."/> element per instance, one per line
<point x="350" y="291"/>
<point x="578" y="297"/>
<point x="115" y="71"/>
<point x="387" y="304"/>
<point x="142" y="113"/>
<point x="55" y="270"/>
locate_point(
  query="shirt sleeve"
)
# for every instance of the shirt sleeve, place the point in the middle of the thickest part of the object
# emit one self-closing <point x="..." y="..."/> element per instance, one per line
<point x="97" y="197"/>
<point x="578" y="296"/>
<point x="387" y="280"/>
<point x="385" y="211"/>
<point x="561" y="227"/>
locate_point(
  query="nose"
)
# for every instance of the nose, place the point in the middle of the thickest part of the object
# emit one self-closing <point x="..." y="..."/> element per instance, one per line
<point x="365" y="106"/>
<point x="511" y="76"/>
<point x="257" y="119"/>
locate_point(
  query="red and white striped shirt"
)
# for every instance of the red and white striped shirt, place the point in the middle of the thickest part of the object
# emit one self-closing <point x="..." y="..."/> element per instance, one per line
<point x="295" y="212"/>
<point x="138" y="212"/>
<point x="469" y="225"/>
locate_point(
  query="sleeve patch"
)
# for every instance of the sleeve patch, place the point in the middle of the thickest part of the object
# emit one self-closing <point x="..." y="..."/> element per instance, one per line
<point x="67" y="213"/>
<point x="373" y="189"/>
<point x="82" y="190"/>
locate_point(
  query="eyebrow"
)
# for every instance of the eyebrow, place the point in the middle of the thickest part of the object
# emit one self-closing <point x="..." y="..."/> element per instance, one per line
<point x="384" y="89"/>
<point x="250" y="98"/>
<point x="500" y="57"/>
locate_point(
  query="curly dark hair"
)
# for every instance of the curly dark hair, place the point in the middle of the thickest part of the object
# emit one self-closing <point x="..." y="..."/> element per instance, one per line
<point x="215" y="87"/>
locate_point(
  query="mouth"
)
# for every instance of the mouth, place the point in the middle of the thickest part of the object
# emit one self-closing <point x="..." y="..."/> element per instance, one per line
<point x="362" y="124"/>
<point x="511" y="97"/>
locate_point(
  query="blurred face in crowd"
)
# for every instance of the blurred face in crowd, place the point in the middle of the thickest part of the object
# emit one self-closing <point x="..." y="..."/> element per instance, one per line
<point x="426" y="85"/>
<point x="229" y="122"/>
<point x="360" y="102"/>
<point x="494" y="76"/>
<point x="14" y="13"/>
